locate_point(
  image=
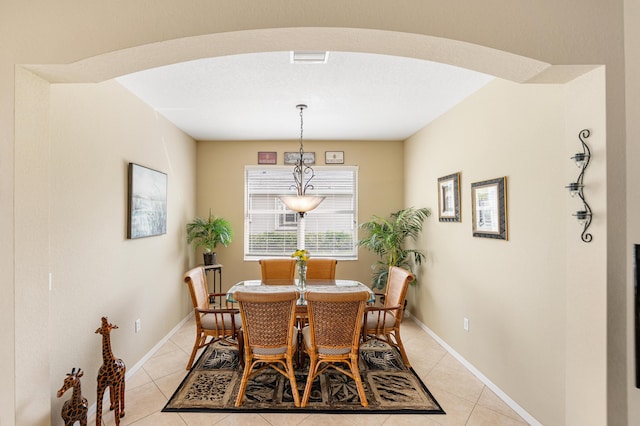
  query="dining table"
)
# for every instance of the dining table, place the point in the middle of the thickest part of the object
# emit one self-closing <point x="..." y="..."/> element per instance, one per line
<point x="275" y="286"/>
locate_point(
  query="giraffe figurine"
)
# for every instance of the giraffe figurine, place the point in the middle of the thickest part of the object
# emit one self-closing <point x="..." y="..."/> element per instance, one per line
<point x="111" y="374"/>
<point x="74" y="409"/>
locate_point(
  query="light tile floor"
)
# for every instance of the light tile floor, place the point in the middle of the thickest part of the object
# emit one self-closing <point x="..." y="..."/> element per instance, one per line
<point x="466" y="400"/>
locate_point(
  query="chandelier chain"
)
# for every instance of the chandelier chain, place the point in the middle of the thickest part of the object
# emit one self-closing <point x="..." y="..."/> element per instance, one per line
<point x="302" y="107"/>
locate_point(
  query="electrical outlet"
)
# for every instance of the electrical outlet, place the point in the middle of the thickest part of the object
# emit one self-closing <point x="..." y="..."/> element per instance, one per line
<point x="466" y="325"/>
<point x="137" y="325"/>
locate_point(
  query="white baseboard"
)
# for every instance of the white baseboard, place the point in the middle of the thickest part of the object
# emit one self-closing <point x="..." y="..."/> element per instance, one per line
<point x="137" y="366"/>
<point x="131" y="371"/>
<point x="503" y="396"/>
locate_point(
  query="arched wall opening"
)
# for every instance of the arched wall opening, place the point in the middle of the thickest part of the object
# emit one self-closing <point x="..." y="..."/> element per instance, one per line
<point x="32" y="136"/>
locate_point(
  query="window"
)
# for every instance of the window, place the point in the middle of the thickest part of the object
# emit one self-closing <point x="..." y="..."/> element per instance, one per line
<point x="271" y="229"/>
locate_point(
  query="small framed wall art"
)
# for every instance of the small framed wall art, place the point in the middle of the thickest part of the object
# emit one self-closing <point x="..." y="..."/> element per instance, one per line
<point x="489" y="202"/>
<point x="147" y="215"/>
<point x="292" y="158"/>
<point x="334" y="157"/>
<point x="449" y="198"/>
<point x="267" y="157"/>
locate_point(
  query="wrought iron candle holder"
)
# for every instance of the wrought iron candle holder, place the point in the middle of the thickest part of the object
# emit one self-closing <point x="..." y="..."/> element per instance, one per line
<point x="576" y="188"/>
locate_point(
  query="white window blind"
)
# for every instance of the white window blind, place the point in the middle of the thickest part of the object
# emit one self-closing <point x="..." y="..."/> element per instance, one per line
<point x="271" y="229"/>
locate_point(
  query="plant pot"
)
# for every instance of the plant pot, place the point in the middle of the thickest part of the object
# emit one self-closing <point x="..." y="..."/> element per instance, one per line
<point x="210" y="258"/>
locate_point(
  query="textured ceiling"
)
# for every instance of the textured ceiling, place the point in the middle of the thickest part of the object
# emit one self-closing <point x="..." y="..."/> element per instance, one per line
<point x="353" y="96"/>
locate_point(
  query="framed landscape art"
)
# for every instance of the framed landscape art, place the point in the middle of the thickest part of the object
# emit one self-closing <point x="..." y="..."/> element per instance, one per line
<point x="147" y="202"/>
<point x="489" y="203"/>
<point x="449" y="198"/>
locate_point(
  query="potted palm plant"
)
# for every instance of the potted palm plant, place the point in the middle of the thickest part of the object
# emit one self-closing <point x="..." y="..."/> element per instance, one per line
<point x="387" y="238"/>
<point x="208" y="233"/>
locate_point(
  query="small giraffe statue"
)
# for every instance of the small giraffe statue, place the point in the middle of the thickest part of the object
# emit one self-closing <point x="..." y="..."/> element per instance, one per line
<point x="111" y="374"/>
<point x="74" y="409"/>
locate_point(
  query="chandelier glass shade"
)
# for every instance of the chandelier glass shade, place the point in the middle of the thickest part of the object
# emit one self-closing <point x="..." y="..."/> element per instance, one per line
<point x="301" y="203"/>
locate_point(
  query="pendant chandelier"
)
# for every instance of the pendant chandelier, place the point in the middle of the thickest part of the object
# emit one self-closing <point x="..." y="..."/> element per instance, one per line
<point x="302" y="176"/>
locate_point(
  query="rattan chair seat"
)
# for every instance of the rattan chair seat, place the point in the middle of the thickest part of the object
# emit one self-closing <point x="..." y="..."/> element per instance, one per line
<point x="380" y="320"/>
<point x="212" y="321"/>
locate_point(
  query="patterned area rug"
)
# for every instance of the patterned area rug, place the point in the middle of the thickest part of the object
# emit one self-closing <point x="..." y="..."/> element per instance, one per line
<point x="212" y="385"/>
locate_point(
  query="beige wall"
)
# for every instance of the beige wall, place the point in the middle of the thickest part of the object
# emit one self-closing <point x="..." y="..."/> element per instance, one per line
<point x="586" y="332"/>
<point x="632" y="56"/>
<point x="221" y="188"/>
<point x="87" y="46"/>
<point x="96" y="130"/>
<point x="31" y="297"/>
<point x="515" y="292"/>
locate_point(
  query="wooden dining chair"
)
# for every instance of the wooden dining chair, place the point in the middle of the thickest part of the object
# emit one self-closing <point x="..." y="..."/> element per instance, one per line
<point x="321" y="269"/>
<point x="332" y="337"/>
<point x="278" y="271"/>
<point x="383" y="322"/>
<point x="270" y="337"/>
<point x="217" y="323"/>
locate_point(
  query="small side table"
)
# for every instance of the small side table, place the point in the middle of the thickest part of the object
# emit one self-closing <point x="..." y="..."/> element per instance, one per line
<point x="214" y="268"/>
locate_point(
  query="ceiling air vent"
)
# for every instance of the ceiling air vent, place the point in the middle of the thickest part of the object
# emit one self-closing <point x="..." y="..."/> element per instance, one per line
<point x="309" y="57"/>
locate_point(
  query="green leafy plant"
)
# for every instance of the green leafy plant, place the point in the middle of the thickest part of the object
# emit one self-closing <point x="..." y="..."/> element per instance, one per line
<point x="387" y="238"/>
<point x="208" y="233"/>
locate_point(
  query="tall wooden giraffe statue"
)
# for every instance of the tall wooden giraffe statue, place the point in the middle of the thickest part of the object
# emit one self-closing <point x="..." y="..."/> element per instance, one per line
<point x="111" y="374"/>
<point x="74" y="409"/>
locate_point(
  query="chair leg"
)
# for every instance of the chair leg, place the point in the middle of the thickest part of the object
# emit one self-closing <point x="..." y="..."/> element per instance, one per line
<point x="400" y="346"/>
<point x="196" y="345"/>
<point x="294" y="384"/>
<point x="313" y="369"/>
<point x="240" y="339"/>
<point x="245" y="379"/>
<point x="353" y="364"/>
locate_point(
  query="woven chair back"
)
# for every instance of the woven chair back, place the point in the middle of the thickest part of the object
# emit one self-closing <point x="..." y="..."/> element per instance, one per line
<point x="321" y="269"/>
<point x="277" y="269"/>
<point x="397" y="286"/>
<point x="196" y="279"/>
<point x="336" y="318"/>
<point x="267" y="318"/>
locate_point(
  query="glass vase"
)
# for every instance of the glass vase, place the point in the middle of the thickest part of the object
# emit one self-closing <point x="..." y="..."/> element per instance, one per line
<point x="302" y="275"/>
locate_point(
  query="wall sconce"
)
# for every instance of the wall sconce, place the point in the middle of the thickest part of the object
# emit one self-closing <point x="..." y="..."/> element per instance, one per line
<point x="582" y="159"/>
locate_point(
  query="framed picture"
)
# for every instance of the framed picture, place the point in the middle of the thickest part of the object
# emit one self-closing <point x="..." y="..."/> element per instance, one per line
<point x="292" y="157"/>
<point x="267" y="157"/>
<point x="334" y="157"/>
<point x="147" y="202"/>
<point x="489" y="202"/>
<point x="449" y="198"/>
